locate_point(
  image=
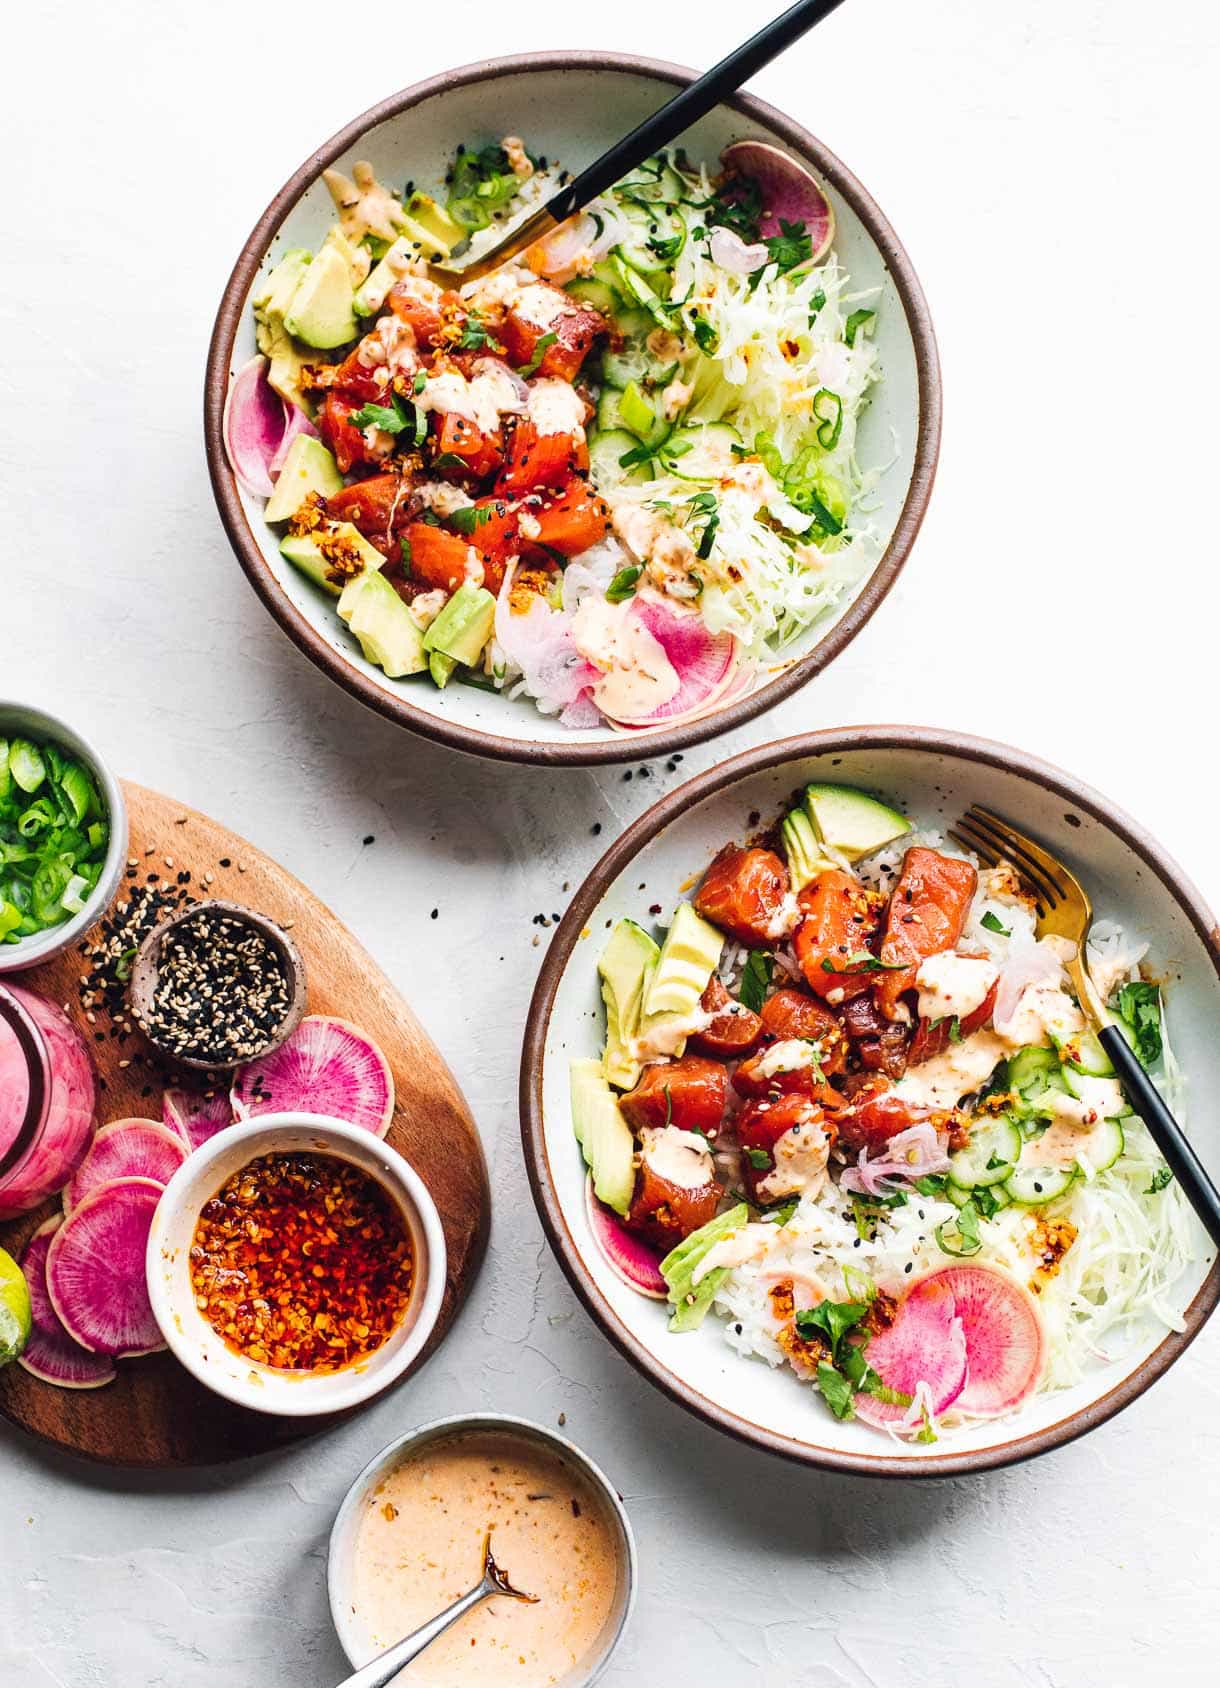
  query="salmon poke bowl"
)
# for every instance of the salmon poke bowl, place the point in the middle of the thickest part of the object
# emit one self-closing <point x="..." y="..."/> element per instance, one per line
<point x="820" y="1132"/>
<point x="629" y="489"/>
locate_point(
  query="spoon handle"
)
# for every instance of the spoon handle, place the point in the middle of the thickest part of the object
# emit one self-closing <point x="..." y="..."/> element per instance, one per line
<point x="689" y="105"/>
<point x="386" y="1666"/>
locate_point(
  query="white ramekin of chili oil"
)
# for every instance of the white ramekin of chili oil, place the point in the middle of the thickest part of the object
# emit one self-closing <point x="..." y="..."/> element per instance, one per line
<point x="296" y="1265"/>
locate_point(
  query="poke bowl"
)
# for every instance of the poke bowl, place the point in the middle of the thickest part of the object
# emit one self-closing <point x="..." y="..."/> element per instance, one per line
<point x="818" y="1131"/>
<point x="617" y="498"/>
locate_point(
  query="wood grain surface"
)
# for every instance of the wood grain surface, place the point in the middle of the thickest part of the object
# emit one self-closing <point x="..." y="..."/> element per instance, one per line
<point x="155" y="1413"/>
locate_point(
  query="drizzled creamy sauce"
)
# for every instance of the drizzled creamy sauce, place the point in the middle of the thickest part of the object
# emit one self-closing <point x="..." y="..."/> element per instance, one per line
<point x="420" y="1547"/>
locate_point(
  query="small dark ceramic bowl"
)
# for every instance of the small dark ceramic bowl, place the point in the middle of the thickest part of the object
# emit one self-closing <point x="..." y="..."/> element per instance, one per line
<point x="571" y="107"/>
<point x="146" y="967"/>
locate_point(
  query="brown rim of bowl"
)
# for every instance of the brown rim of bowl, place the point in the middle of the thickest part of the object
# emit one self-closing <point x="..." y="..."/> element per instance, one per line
<point x="629" y="749"/>
<point x="147" y="965"/>
<point x="934" y="742"/>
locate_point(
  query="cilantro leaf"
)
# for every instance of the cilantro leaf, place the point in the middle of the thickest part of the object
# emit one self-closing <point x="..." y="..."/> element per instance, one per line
<point x="790" y="247"/>
<point x="755" y="977"/>
<point x="469" y="520"/>
<point x="622" y="586"/>
<point x="836" y="1391"/>
<point x="993" y="923"/>
<point x="1160" y="1178"/>
<point x="541" y="347"/>
<point x="862" y="961"/>
<point x="961" y="1237"/>
<point x="759" y="1159"/>
<point x="831" y="1319"/>
<point x="395" y="418"/>
<point x="1139" y="1004"/>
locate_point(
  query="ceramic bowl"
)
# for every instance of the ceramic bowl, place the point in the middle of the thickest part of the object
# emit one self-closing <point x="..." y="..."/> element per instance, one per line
<point x="198" y="1347"/>
<point x="933" y="776"/>
<point x="339" y="1578"/>
<point x="571" y="106"/>
<point x="21" y="720"/>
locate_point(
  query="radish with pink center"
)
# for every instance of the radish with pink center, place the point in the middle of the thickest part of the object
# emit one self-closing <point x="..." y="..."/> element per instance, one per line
<point x="51" y="1355"/>
<point x="788" y="192"/>
<point x="925" y="1344"/>
<point x="1005" y="1342"/>
<point x="328" y="1066"/>
<point x="127" y="1148"/>
<point x="95" y="1270"/>
<point x="628" y="1258"/>
<point x="196" y="1115"/>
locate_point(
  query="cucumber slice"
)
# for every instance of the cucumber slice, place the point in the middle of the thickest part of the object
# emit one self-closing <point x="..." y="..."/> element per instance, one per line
<point x="1104" y="1094"/>
<point x="605" y="449"/>
<point x="701" y="451"/>
<point x="991" y="1154"/>
<point x="997" y="1194"/>
<point x="638" y="290"/>
<point x="600" y="294"/>
<point x="1084" y="1054"/>
<point x="1101" y="1148"/>
<point x="1030" y="1067"/>
<point x="610" y="410"/>
<point x="1030" y="1186"/>
<point x="629" y="363"/>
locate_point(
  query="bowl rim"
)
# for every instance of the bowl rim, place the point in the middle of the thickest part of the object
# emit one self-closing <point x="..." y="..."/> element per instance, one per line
<point x="458" y="1424"/>
<point x="930" y="741"/>
<point x="474" y="740"/>
<point x="402" y="1180"/>
<point x="44" y="946"/>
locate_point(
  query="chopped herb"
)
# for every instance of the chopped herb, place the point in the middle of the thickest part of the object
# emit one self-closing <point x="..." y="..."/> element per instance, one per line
<point x="468" y="520"/>
<point x="622" y="586"/>
<point x="706" y="337"/>
<point x="1160" y="1179"/>
<point x="855" y="322"/>
<point x="783" y="1213"/>
<point x="759" y="1159"/>
<point x="755" y="977"/>
<point x="542" y="346"/>
<point x="931" y="1184"/>
<point x="961" y="1237"/>
<point x="790" y="247"/>
<point x="993" y="923"/>
<point x="816" y="304"/>
<point x="828" y="408"/>
<point x="955" y="1030"/>
<point x="832" y="1319"/>
<point x="703" y="505"/>
<point x="475" y="337"/>
<point x="449" y="460"/>
<point x="420" y="381"/>
<point x="404" y="547"/>
<point x="1140" y="1006"/>
<point x="863" y="962"/>
<point x="984" y="1199"/>
<point x="637" y="454"/>
<point x="837" y="1391"/>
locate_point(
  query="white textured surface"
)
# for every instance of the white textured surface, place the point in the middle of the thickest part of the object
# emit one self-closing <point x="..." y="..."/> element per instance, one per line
<point x="1045" y="165"/>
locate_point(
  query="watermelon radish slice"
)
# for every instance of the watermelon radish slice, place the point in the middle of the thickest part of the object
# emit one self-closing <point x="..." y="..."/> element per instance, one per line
<point x="196" y="1115"/>
<point x="789" y="192"/>
<point x="629" y="1258"/>
<point x="254" y="424"/>
<point x="925" y="1344"/>
<point x="327" y="1066"/>
<point x="127" y="1148"/>
<point x="704" y="662"/>
<point x="1005" y="1342"/>
<point x="95" y="1270"/>
<point x="50" y="1354"/>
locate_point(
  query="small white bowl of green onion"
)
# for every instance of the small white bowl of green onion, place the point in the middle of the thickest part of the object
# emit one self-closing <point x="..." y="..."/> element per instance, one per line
<point x="63" y="835"/>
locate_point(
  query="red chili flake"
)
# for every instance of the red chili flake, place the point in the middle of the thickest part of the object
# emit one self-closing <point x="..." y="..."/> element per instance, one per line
<point x="302" y="1262"/>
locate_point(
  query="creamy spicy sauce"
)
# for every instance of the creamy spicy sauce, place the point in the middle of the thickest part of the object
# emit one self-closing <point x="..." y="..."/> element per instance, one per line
<point x="420" y="1547"/>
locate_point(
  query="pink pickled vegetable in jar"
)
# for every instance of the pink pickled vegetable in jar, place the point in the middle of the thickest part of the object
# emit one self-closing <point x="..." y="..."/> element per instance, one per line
<point x="46" y="1099"/>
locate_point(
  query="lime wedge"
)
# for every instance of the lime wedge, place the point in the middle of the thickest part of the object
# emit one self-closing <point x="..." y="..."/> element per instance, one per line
<point x="14" y="1309"/>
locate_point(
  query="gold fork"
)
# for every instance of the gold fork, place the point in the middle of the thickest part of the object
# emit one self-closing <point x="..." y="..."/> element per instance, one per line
<point x="1065" y="911"/>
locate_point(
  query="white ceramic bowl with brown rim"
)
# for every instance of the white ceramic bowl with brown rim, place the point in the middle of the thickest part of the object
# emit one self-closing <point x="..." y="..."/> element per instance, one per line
<point x="570" y="107"/>
<point x="933" y="776"/>
<point x="201" y="1349"/>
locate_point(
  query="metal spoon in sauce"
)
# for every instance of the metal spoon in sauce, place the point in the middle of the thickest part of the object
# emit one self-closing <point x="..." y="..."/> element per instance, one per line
<point x="386" y="1666"/>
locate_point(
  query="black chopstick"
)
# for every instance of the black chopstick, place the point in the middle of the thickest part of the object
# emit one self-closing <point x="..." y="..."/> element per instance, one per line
<point x="688" y="106"/>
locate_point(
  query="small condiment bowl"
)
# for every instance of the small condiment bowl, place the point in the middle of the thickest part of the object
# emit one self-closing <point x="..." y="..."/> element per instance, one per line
<point x="201" y="1349"/>
<point x="145" y="971"/>
<point x="340" y="1563"/>
<point x="22" y="720"/>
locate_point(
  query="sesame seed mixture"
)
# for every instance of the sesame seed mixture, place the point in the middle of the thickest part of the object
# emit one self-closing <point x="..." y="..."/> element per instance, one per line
<point x="221" y="992"/>
<point x="302" y="1262"/>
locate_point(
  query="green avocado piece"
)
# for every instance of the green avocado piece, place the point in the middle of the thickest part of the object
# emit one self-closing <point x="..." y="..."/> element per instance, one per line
<point x="691" y="1301"/>
<point x="851" y="821"/>
<point x="321" y="310"/>
<point x="340" y="550"/>
<point x="273" y="291"/>
<point x="308" y="467"/>
<point x="625" y="966"/>
<point x="689" y="956"/>
<point x="464" y="625"/>
<point x="356" y="258"/>
<point x="270" y="300"/>
<point x="435" y="221"/>
<point x="603" y="1134"/>
<point x="394" y="264"/>
<point x="383" y="624"/>
<point x="805" y="857"/>
<point x="441" y="668"/>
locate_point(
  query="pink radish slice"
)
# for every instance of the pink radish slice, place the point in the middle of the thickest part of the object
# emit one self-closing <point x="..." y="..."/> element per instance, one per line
<point x="254" y="424"/>
<point x="327" y="1066"/>
<point x="703" y="661"/>
<point x="196" y="1115"/>
<point x="925" y="1344"/>
<point x="51" y="1354"/>
<point x="789" y="192"/>
<point x="295" y="422"/>
<point x="629" y="1258"/>
<point x="95" y="1270"/>
<point x="127" y="1148"/>
<point x="1005" y="1343"/>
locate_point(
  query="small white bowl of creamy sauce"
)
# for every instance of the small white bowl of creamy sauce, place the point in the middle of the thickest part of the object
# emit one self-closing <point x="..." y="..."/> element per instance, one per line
<point x="408" y="1542"/>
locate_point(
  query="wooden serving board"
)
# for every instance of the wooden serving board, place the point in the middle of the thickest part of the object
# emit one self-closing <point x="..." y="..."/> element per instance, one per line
<point x="155" y="1413"/>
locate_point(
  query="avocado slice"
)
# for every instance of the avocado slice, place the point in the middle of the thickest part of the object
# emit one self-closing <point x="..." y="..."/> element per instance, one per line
<point x="851" y="821"/>
<point x="383" y="624"/>
<point x="356" y="258"/>
<point x="805" y="856"/>
<point x="270" y="300"/>
<point x="689" y="956"/>
<point x="395" y="263"/>
<point x="321" y="310"/>
<point x="308" y="467"/>
<point x="689" y="1301"/>
<point x="445" y="231"/>
<point x="625" y="966"/>
<point x="461" y="630"/>
<point x="603" y="1134"/>
<point x="441" y="668"/>
<point x="339" y="550"/>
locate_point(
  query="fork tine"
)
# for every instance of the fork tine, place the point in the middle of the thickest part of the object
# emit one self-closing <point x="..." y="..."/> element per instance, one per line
<point x="1016" y="847"/>
<point x="987" y="851"/>
<point x="1049" y="866"/>
<point x="989" y="848"/>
